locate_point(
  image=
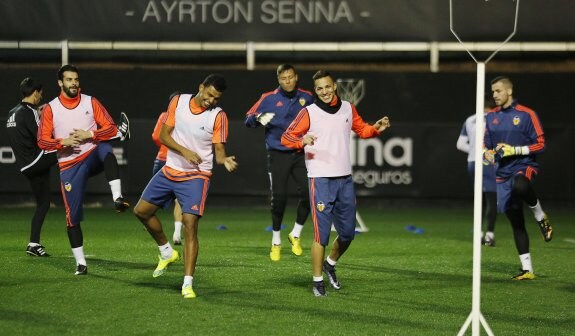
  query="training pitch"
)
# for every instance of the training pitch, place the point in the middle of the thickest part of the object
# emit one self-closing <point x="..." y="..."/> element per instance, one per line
<point x="396" y="279"/>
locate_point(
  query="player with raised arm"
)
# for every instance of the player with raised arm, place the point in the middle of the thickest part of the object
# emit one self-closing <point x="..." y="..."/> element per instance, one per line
<point x="323" y="130"/>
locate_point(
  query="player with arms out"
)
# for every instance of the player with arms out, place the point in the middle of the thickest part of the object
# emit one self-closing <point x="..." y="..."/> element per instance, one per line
<point x="323" y="130"/>
<point x="195" y="129"/>
<point x="513" y="138"/>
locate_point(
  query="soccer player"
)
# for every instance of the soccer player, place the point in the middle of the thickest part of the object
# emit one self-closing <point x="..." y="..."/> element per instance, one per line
<point x="77" y="126"/>
<point x="274" y="111"/>
<point x="195" y="129"/>
<point x="466" y="144"/>
<point x="159" y="162"/>
<point x="323" y="130"/>
<point x="35" y="163"/>
<point x="513" y="138"/>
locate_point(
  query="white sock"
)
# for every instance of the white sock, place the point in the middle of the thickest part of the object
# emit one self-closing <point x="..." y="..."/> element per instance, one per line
<point x="166" y="250"/>
<point x="276" y="240"/>
<point x="526" y="262"/>
<point x="188" y="280"/>
<point x="489" y="235"/>
<point x="33" y="244"/>
<point x="537" y="211"/>
<point x="296" y="231"/>
<point x="318" y="278"/>
<point x="177" y="228"/>
<point x="331" y="261"/>
<point x="116" y="187"/>
<point x="79" y="255"/>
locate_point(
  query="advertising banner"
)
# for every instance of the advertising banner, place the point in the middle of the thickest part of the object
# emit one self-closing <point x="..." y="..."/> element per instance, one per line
<point x="407" y="161"/>
<point x="282" y="20"/>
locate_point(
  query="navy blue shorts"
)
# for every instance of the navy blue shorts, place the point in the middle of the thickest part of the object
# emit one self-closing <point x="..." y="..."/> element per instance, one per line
<point x="332" y="201"/>
<point x="191" y="194"/>
<point x="74" y="179"/>
<point x="505" y="199"/>
<point x="489" y="184"/>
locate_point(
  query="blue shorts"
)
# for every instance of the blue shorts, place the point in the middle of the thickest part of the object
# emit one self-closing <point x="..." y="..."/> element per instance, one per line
<point x="505" y="200"/>
<point x="332" y="201"/>
<point x="73" y="181"/>
<point x="489" y="184"/>
<point x="191" y="194"/>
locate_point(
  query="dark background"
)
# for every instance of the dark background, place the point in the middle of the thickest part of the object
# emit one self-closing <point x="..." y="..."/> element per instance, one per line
<point x="425" y="108"/>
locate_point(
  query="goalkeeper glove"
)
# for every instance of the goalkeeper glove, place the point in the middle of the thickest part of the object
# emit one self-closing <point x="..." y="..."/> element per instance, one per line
<point x="265" y="118"/>
<point x="488" y="157"/>
<point x="504" y="150"/>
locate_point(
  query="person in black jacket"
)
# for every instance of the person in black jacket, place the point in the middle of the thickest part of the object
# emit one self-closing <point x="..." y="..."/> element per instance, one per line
<point x="34" y="163"/>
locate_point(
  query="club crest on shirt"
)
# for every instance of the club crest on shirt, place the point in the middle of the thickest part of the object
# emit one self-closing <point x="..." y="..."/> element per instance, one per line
<point x="495" y="121"/>
<point x="516" y="120"/>
<point x="68" y="186"/>
<point x="320" y="206"/>
<point x="302" y="102"/>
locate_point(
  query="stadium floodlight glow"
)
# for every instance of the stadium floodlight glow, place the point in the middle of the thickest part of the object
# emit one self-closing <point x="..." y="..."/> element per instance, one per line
<point x="475" y="318"/>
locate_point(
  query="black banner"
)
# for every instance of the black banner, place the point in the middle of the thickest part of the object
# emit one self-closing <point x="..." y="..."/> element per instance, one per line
<point x="416" y="158"/>
<point x="408" y="161"/>
<point x="283" y="20"/>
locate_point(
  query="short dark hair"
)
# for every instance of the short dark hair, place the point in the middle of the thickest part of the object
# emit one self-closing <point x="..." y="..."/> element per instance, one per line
<point x="217" y="81"/>
<point x="321" y="74"/>
<point x="504" y="79"/>
<point x="285" y="67"/>
<point x="175" y="93"/>
<point x="28" y="86"/>
<point x="66" y="67"/>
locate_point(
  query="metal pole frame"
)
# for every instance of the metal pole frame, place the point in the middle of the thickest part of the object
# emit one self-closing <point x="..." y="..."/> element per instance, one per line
<point x="475" y="318"/>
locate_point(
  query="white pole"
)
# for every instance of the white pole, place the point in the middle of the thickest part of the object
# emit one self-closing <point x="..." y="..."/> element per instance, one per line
<point x="475" y="317"/>
<point x="477" y="204"/>
<point x="250" y="55"/>
<point x="64" y="47"/>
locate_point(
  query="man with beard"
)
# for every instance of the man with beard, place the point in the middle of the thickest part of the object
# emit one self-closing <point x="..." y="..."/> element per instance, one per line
<point x="274" y="111"/>
<point x="323" y="130"/>
<point x="77" y="126"/>
<point x="513" y="138"/>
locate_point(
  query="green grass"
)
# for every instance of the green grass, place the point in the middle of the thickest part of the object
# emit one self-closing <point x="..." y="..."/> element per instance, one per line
<point x="394" y="282"/>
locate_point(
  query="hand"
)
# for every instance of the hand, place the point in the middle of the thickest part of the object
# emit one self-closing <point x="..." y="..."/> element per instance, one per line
<point x="265" y="118"/>
<point x="382" y="124"/>
<point x="504" y="150"/>
<point x="191" y="157"/>
<point x="82" y="134"/>
<point x="309" y="140"/>
<point x="230" y="163"/>
<point x="489" y="157"/>
<point x="70" y="141"/>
